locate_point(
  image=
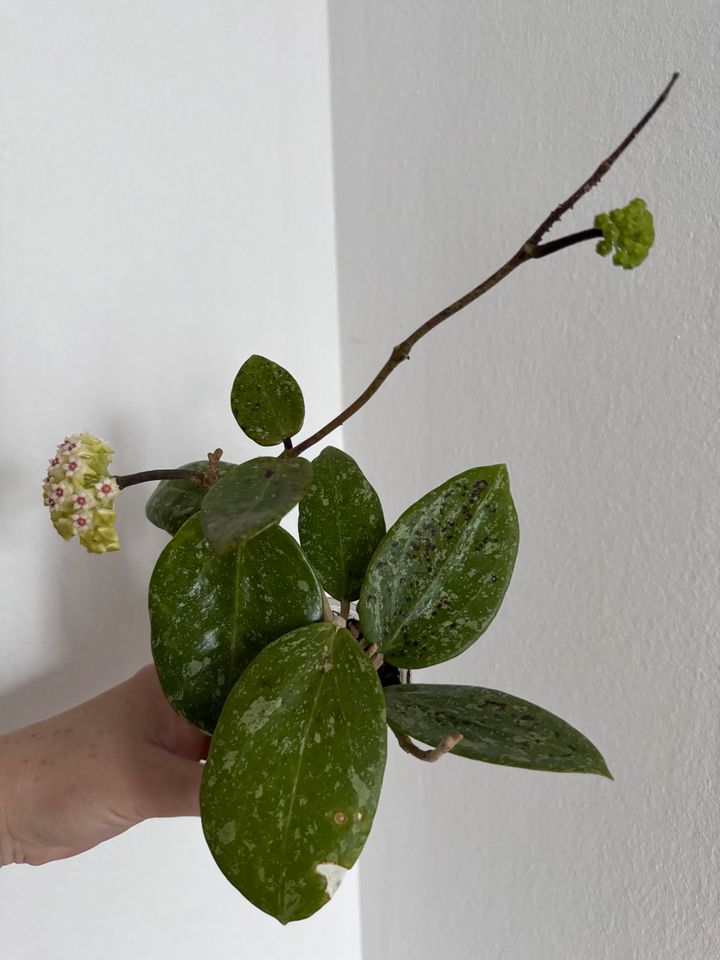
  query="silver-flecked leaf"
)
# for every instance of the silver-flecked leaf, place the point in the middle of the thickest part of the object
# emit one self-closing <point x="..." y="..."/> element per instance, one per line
<point x="210" y="615"/>
<point x="266" y="401"/>
<point x="294" y="772"/>
<point x="173" y="502"/>
<point x="496" y="727"/>
<point x="340" y="523"/>
<point x="251" y="497"/>
<point x="439" y="575"/>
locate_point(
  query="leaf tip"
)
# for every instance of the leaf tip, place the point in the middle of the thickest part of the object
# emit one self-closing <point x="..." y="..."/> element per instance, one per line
<point x="600" y="768"/>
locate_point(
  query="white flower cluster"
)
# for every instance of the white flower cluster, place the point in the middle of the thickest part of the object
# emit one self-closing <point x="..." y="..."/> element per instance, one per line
<point x="80" y="492"/>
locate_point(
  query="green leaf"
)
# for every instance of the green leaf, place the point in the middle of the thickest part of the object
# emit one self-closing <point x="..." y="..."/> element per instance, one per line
<point x="266" y="401"/>
<point x="439" y="576"/>
<point x="292" y="781"/>
<point x="173" y="502"/>
<point x="496" y="727"/>
<point x="340" y="524"/>
<point x="251" y="497"/>
<point x="210" y="616"/>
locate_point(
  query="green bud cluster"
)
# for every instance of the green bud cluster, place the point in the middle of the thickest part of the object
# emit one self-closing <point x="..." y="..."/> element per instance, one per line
<point x="629" y="231"/>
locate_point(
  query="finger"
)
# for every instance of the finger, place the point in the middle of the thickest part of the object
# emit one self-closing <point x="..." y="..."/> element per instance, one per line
<point x="171" y="786"/>
<point x="38" y="858"/>
<point x="187" y="741"/>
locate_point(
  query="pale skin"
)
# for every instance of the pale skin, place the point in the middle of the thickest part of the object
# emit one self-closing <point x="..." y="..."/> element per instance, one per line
<point x="86" y="775"/>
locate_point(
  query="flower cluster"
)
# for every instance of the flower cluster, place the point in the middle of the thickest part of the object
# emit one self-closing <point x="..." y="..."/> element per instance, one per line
<point x="80" y="492"/>
<point x="629" y="231"/>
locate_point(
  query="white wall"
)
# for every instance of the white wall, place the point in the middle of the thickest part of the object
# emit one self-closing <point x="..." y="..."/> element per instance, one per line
<point x="457" y="127"/>
<point x="166" y="211"/>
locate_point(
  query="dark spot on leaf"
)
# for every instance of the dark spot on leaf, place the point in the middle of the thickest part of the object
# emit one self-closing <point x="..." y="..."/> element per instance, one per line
<point x="478" y="487"/>
<point x="269" y="473"/>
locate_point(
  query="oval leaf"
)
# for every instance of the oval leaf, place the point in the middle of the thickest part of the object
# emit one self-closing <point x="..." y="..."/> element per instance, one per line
<point x="292" y="781"/>
<point x="251" y="497"/>
<point x="211" y="615"/>
<point x="266" y="401"/>
<point x="340" y="524"/>
<point x="496" y="727"/>
<point x="173" y="502"/>
<point x="439" y="576"/>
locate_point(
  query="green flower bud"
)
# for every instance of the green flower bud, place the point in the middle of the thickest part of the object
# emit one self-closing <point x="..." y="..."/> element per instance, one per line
<point x="80" y="493"/>
<point x="629" y="231"/>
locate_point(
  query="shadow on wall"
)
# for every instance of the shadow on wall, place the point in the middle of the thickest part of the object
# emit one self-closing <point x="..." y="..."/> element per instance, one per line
<point x="95" y="627"/>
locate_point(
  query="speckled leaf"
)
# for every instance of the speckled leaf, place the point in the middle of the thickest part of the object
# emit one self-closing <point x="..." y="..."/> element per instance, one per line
<point x="295" y="768"/>
<point x="439" y="576"/>
<point x="340" y="524"/>
<point x="173" y="502"/>
<point x="211" y="615"/>
<point x="496" y="727"/>
<point x="266" y="401"/>
<point x="251" y="497"/>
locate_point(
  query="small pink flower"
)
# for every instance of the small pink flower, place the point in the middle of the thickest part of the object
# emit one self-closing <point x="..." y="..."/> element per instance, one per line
<point x="50" y="502"/>
<point x="68" y="445"/>
<point x="59" y="492"/>
<point x="106" y="489"/>
<point x="82" y="521"/>
<point x="73" y="465"/>
<point x="81" y="501"/>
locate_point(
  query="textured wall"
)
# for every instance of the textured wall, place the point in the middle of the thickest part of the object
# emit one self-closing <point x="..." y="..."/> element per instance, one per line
<point x="457" y="127"/>
<point x="166" y="211"/>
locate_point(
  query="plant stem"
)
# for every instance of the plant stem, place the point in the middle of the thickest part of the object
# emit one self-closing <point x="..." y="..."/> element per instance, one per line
<point x="145" y="475"/>
<point x="554" y="245"/>
<point x="530" y="250"/>
<point x="594" y="179"/>
<point x="445" y="746"/>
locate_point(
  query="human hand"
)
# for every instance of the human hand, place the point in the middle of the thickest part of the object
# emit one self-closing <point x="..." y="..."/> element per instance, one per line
<point x="83" y="776"/>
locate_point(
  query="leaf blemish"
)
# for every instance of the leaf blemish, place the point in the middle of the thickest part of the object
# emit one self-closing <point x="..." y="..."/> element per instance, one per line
<point x="259" y="712"/>
<point x="227" y="833"/>
<point x="333" y="875"/>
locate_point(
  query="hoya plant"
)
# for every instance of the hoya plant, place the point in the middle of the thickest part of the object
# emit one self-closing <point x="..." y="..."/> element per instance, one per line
<point x="297" y="656"/>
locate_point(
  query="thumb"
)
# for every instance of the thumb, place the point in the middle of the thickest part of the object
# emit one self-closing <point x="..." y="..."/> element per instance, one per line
<point x="172" y="786"/>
